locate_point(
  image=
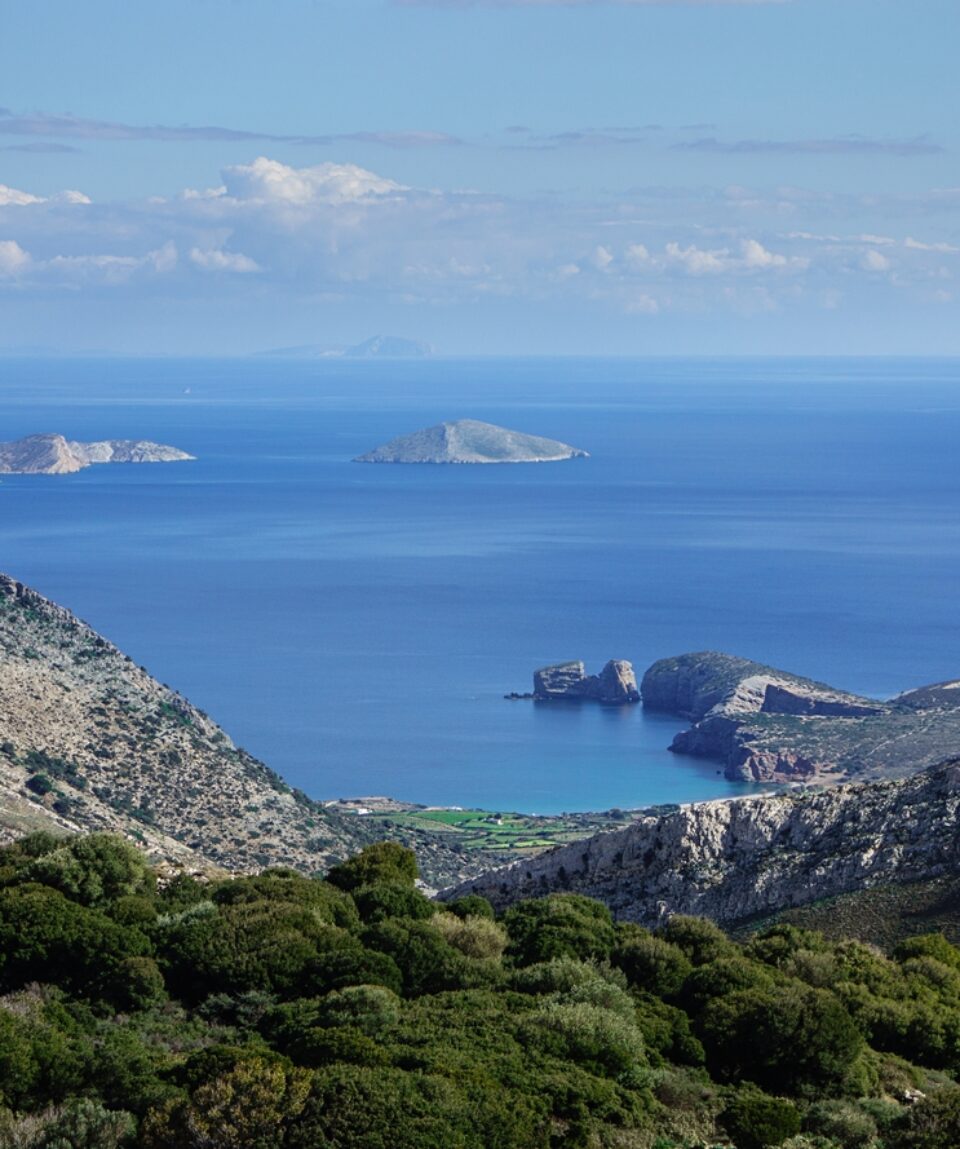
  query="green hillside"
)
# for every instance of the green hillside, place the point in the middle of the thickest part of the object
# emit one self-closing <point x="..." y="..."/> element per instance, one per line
<point x="353" y="1013"/>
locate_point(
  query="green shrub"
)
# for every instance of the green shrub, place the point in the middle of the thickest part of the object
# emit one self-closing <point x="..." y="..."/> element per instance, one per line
<point x="755" y="1120"/>
<point x="559" y="925"/>
<point x="381" y="862"/>
<point x="843" y="1122"/>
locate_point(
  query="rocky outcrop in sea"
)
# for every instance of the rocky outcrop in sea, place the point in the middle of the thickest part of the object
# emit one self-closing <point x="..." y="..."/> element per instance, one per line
<point x="568" y="681"/>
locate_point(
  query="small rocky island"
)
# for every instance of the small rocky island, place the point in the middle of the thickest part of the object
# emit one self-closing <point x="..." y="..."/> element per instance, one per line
<point x="470" y="441"/>
<point x="615" y="685"/>
<point x="55" y="455"/>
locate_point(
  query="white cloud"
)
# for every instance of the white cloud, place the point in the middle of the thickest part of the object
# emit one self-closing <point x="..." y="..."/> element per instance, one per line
<point x="642" y="304"/>
<point x="602" y="257"/>
<point x="214" y="259"/>
<point x="104" y="268"/>
<point x="13" y="259"/>
<point x="875" y="261"/>
<point x="13" y="197"/>
<point x="637" y="255"/>
<point x="942" y="248"/>
<point x="696" y="261"/>
<point x="755" y="255"/>
<point x="268" y="181"/>
<point x="752" y="257"/>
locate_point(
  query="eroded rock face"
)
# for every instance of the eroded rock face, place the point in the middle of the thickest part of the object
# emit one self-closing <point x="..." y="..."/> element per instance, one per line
<point x="733" y="860"/>
<point x="568" y="681"/>
<point x="766" y="725"/>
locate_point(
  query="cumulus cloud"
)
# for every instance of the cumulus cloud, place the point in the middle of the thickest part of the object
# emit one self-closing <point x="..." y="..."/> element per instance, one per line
<point x="13" y="259"/>
<point x="219" y="260"/>
<point x="873" y="260"/>
<point x="753" y="256"/>
<point x="13" y="197"/>
<point x="271" y="230"/>
<point x="268" y="181"/>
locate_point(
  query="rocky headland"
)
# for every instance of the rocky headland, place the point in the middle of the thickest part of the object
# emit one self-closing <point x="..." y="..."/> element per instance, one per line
<point x="767" y="725"/>
<point x="744" y="858"/>
<point x="470" y="441"/>
<point x="55" y="455"/>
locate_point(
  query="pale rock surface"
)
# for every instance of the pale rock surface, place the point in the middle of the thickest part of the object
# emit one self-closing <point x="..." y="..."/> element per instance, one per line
<point x="55" y="455"/>
<point x="737" y="859"/>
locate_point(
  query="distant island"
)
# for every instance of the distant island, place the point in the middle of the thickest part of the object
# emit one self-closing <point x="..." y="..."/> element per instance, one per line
<point x="55" y="455"/>
<point x="388" y="347"/>
<point x="470" y="441"/>
<point x="376" y="347"/>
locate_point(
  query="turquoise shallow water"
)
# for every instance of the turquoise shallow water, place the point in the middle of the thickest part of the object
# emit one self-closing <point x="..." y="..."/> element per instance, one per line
<point x="356" y="626"/>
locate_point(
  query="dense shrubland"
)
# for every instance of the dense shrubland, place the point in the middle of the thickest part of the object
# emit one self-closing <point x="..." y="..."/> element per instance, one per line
<point x="354" y="1013"/>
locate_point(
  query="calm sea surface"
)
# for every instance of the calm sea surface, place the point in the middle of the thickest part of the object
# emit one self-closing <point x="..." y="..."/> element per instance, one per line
<point x="356" y="626"/>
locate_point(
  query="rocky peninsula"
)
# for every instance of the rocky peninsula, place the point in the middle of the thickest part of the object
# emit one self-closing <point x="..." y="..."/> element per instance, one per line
<point x="56" y="455"/>
<point x="764" y="724"/>
<point x="470" y="441"/>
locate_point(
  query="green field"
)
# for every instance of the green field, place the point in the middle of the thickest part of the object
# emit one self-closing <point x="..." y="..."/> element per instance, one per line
<point x="504" y="832"/>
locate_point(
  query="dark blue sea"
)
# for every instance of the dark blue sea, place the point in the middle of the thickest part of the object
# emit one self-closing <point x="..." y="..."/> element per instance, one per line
<point x="357" y="626"/>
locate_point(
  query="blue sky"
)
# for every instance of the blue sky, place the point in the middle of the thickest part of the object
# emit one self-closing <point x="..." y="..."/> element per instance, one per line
<point x="224" y="176"/>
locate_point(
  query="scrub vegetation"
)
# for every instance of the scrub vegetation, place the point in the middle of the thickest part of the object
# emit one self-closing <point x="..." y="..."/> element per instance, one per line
<point x="353" y="1012"/>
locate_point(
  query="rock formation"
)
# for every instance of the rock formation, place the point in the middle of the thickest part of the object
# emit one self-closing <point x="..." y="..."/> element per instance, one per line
<point x="737" y="859"/>
<point x="470" y="441"/>
<point x="764" y="724"/>
<point x="568" y="681"/>
<point x="55" y="455"/>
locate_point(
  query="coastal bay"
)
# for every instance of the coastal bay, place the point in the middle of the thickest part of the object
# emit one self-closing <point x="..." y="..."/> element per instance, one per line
<point x="358" y="627"/>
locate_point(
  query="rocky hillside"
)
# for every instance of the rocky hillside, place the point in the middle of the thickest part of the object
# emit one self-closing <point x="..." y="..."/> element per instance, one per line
<point x="55" y="455"/>
<point x="765" y="724"/>
<point x="88" y="740"/>
<point x="470" y="441"/>
<point x="749" y="857"/>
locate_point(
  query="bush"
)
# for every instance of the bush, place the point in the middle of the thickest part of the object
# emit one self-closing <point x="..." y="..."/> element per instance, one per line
<point x="589" y="1035"/>
<point x="652" y="964"/>
<point x="559" y="925"/>
<point x="392" y="900"/>
<point x="93" y="869"/>
<point x="755" y="1120"/>
<point x="933" y="1123"/>
<point x="843" y="1122"/>
<point x="381" y="862"/>
<point x="700" y="940"/>
<point x="475" y="937"/>
<point x="791" y="1038"/>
